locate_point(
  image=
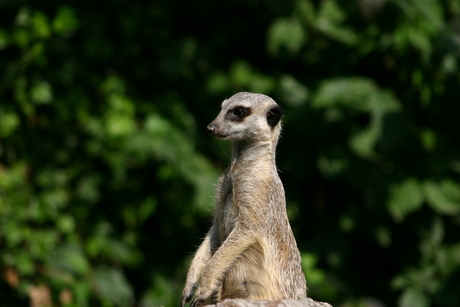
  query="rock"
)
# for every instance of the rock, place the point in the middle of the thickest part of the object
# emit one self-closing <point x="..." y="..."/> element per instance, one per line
<point x="307" y="302"/>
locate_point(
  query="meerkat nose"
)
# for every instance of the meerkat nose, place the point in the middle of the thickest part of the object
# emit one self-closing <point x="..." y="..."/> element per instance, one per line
<point x="211" y="129"/>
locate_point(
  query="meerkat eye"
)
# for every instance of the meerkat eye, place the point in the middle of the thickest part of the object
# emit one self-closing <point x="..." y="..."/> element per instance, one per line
<point x="238" y="113"/>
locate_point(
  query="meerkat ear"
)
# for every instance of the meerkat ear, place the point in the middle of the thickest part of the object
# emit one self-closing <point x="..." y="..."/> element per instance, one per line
<point x="274" y="116"/>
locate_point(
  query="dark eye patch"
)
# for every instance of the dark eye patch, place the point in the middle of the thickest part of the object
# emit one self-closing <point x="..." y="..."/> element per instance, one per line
<point x="238" y="113"/>
<point x="274" y="116"/>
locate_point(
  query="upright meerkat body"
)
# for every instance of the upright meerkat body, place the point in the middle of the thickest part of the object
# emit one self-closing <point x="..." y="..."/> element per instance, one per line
<point x="250" y="251"/>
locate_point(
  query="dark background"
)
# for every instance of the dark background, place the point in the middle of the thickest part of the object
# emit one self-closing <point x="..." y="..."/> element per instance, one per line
<point x="107" y="175"/>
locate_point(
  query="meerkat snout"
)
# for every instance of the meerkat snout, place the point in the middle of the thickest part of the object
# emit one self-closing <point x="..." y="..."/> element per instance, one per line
<point x="211" y="128"/>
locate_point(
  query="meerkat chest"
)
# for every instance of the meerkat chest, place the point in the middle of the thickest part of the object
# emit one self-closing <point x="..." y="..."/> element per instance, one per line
<point x="225" y="215"/>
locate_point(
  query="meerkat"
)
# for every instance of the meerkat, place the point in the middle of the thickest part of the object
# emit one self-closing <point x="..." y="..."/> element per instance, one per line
<point x="250" y="251"/>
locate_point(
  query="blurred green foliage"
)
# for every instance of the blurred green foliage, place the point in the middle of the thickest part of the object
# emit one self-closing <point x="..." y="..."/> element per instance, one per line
<point x="107" y="176"/>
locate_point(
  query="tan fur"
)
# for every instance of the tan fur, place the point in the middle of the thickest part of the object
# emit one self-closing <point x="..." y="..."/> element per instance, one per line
<point x="250" y="251"/>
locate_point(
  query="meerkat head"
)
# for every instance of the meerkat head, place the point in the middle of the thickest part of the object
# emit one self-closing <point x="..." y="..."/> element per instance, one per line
<point x="247" y="117"/>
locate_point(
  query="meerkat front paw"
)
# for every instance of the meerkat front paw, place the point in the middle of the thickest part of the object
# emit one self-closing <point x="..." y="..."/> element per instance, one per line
<point x="197" y="302"/>
<point x="202" y="298"/>
<point x="187" y="294"/>
<point x="185" y="299"/>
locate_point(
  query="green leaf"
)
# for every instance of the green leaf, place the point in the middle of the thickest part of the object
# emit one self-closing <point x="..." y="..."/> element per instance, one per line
<point x="112" y="286"/>
<point x="171" y="145"/>
<point x="332" y="166"/>
<point x="331" y="21"/>
<point x="65" y="20"/>
<point x="443" y="197"/>
<point x="23" y="17"/>
<point x="363" y="141"/>
<point x="41" y="92"/>
<point x="240" y="73"/>
<point x="118" y="125"/>
<point x="405" y="198"/>
<point x="4" y="39"/>
<point x="383" y="236"/>
<point x="66" y="223"/>
<point x="163" y="293"/>
<point x="421" y="20"/>
<point x="356" y="93"/>
<point x="68" y="258"/>
<point x="413" y="297"/>
<point x="347" y="223"/>
<point x="24" y="262"/>
<point x="13" y="177"/>
<point x="294" y="92"/>
<point x="9" y="122"/>
<point x="21" y="37"/>
<point x="452" y="261"/>
<point x="306" y="11"/>
<point x="243" y="76"/>
<point x="147" y="208"/>
<point x="218" y="82"/>
<point x="314" y="275"/>
<point x="362" y="95"/>
<point x="40" y="25"/>
<point x="428" y="139"/>
<point x="88" y="188"/>
<point x="287" y="34"/>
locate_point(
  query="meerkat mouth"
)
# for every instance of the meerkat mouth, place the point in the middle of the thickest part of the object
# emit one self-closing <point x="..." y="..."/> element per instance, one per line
<point x="228" y="136"/>
<point x="222" y="136"/>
